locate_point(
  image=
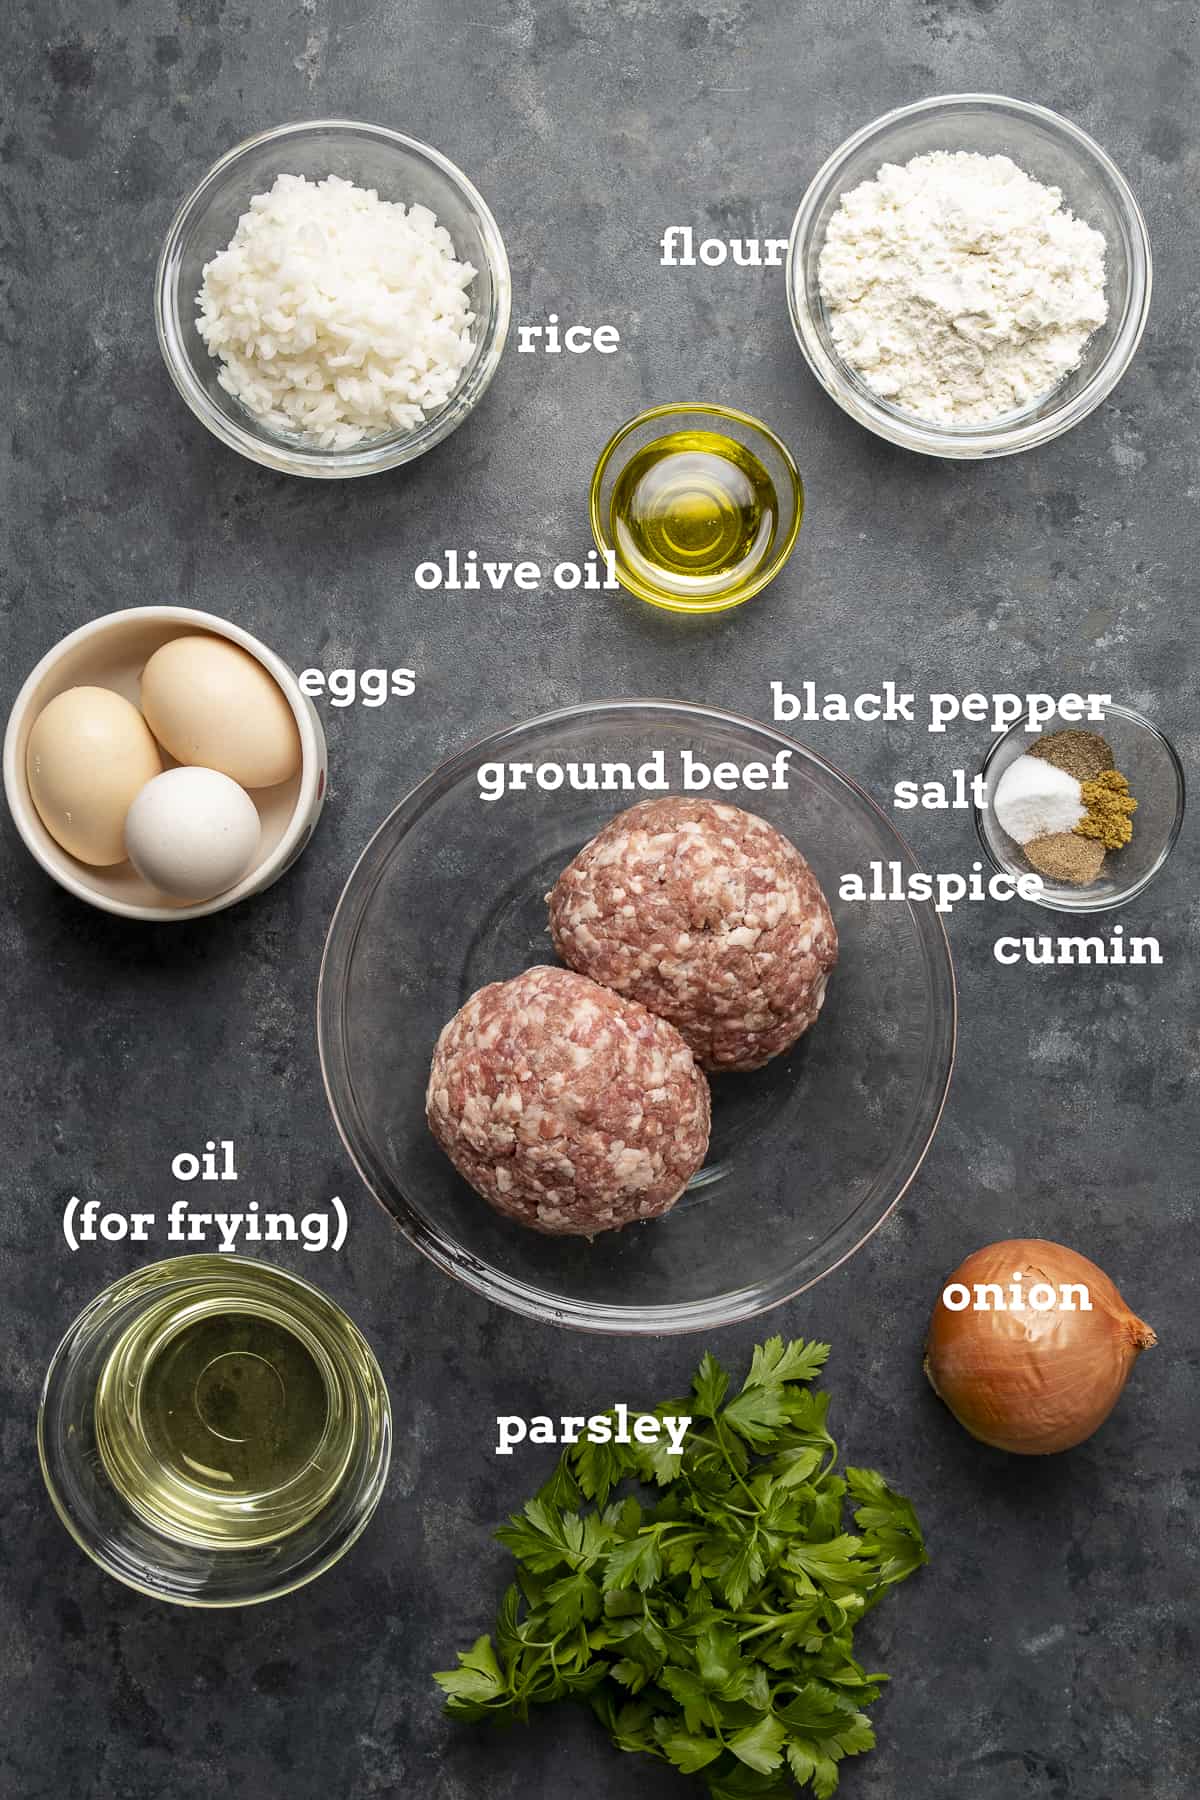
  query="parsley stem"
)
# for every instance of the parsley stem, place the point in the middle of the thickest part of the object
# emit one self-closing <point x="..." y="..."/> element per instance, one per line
<point x="770" y="1622"/>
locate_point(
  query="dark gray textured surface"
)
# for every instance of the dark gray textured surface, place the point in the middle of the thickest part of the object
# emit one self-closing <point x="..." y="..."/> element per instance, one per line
<point x="1049" y="1650"/>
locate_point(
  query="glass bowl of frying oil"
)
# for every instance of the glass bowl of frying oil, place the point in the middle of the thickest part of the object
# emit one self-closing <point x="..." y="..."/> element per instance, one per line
<point x="697" y="507"/>
<point x="214" y="1431"/>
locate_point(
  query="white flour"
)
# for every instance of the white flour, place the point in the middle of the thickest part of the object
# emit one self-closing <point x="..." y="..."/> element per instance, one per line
<point x="959" y="288"/>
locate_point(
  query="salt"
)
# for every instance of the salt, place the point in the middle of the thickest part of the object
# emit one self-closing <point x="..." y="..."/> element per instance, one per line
<point x="1035" y="799"/>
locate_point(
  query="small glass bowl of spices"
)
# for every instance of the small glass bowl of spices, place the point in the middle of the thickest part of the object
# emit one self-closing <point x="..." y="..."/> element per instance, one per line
<point x="1093" y="808"/>
<point x="698" y="507"/>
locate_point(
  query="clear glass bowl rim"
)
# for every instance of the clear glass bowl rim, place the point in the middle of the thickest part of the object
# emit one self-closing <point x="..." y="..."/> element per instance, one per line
<point x="388" y="452"/>
<point x="1104" y="902"/>
<point x="780" y="553"/>
<point x="971" y="441"/>
<point x="100" y="1305"/>
<point x="535" y="1303"/>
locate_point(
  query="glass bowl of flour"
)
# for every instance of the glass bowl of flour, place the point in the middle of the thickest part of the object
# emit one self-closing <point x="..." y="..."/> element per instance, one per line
<point x="969" y="276"/>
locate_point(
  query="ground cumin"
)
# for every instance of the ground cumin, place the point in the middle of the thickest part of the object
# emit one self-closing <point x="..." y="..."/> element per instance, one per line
<point x="1110" y="809"/>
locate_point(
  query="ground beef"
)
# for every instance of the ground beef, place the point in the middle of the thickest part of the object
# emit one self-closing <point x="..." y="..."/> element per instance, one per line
<point x="565" y="1106"/>
<point x="709" y="917"/>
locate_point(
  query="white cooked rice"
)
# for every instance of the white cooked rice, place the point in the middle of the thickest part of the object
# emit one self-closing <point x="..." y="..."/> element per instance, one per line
<point x="336" y="315"/>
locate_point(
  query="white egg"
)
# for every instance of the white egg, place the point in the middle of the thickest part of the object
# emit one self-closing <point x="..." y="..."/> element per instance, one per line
<point x="192" y="833"/>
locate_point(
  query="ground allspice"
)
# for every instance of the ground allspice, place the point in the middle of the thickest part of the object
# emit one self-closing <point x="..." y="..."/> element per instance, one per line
<point x="1062" y="856"/>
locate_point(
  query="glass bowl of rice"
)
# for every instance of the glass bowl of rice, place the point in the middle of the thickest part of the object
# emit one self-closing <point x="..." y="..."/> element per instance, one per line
<point x="315" y="352"/>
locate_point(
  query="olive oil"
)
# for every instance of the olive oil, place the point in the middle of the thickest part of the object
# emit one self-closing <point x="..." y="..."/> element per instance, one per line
<point x="227" y="1411"/>
<point x="694" y="515"/>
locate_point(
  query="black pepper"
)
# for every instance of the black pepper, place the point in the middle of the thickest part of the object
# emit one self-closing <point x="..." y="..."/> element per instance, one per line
<point x="1083" y="754"/>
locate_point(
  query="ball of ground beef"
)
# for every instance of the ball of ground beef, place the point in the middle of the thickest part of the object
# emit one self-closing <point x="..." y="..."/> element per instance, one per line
<point x="709" y="917"/>
<point x="567" y="1107"/>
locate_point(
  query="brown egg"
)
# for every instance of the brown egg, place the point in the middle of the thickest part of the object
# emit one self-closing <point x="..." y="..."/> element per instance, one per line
<point x="213" y="706"/>
<point x="89" y="753"/>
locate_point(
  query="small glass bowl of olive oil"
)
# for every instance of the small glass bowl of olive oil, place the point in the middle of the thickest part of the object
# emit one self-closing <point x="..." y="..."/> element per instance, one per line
<point x="214" y="1431"/>
<point x="697" y="506"/>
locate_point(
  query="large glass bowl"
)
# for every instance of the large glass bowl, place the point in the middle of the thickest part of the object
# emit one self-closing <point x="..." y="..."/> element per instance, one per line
<point x="1053" y="151"/>
<point x="808" y="1155"/>
<point x="372" y="157"/>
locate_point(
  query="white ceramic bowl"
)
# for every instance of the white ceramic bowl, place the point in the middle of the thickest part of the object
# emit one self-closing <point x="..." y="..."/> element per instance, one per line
<point x="111" y="652"/>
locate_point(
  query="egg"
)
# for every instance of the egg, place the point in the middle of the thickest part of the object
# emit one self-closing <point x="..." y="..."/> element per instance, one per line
<point x="192" y="833"/>
<point x="212" y="705"/>
<point x="89" y="752"/>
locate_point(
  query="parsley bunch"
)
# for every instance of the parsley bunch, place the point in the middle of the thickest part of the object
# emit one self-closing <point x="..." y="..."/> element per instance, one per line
<point x="712" y="1629"/>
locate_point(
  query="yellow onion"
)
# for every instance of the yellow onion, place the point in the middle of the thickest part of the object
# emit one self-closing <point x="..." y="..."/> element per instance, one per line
<point x="1028" y="1381"/>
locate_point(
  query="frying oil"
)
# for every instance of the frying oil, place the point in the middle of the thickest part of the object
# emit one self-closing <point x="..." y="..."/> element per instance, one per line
<point x="694" y="515"/>
<point x="224" y="1413"/>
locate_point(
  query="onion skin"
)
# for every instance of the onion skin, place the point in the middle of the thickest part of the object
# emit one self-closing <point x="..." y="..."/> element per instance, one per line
<point x="1028" y="1382"/>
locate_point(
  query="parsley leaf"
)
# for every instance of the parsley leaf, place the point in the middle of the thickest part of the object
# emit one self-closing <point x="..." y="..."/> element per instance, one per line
<point x="760" y="1746"/>
<point x="889" y="1524"/>
<point x="475" y="1684"/>
<point x="709" y="1386"/>
<point x="599" y="1467"/>
<point x="776" y="1361"/>
<point x="689" y="1752"/>
<point x="637" y="1561"/>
